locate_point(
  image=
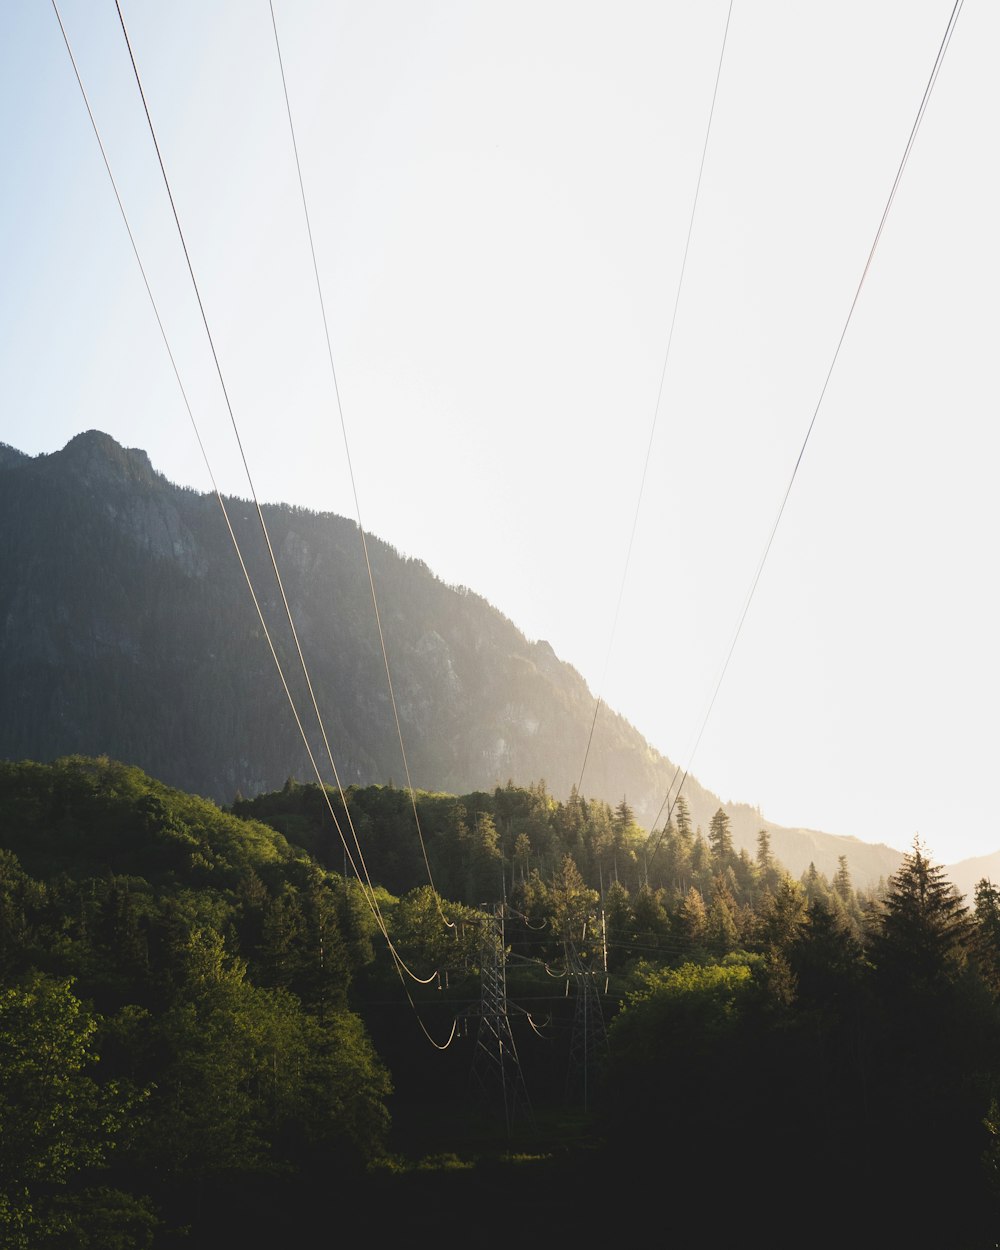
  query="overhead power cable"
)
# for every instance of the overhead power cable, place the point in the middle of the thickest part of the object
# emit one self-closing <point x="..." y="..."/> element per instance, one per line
<point x="368" y="892"/>
<point x="180" y="383"/>
<point x="246" y="466"/>
<point x="938" y="61"/>
<point x="347" y="452"/>
<point x="659" y="397"/>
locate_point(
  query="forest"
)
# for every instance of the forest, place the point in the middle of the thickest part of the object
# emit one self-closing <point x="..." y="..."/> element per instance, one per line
<point x="488" y="1015"/>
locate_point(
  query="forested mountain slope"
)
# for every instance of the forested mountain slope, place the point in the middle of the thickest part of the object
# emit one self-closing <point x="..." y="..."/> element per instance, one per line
<point x="206" y="1038"/>
<point x="129" y="630"/>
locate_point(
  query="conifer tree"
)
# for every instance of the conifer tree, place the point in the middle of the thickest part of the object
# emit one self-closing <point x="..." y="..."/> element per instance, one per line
<point x="765" y="860"/>
<point x="682" y="816"/>
<point x="842" y="879"/>
<point x="521" y="859"/>
<point x="987" y="933"/>
<point x="720" y="838"/>
<point x="574" y="905"/>
<point x="924" y="931"/>
<point x="650" y="918"/>
<point x="781" y="922"/>
<point x="721" y="930"/>
<point x="619" y="920"/>
<point x="692" y="918"/>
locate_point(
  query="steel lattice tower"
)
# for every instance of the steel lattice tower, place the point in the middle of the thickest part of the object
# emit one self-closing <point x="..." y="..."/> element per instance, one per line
<point x="589" y="1045"/>
<point x="496" y="1072"/>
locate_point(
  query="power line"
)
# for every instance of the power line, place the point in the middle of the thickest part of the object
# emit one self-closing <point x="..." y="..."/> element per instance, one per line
<point x="369" y="893"/>
<point x="183" y="391"/>
<point x="347" y="452"/>
<point x="239" y="443"/>
<point x="938" y="60"/>
<point x="659" y="393"/>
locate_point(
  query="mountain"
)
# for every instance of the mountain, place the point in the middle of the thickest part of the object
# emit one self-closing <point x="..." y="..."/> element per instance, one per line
<point x="129" y="630"/>
<point x="965" y="876"/>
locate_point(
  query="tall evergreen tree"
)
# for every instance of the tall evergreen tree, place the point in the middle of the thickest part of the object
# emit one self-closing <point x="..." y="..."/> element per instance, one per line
<point x="682" y="818"/>
<point x="842" y="879"/>
<point x="986" y="943"/>
<point x="691" y="920"/>
<point x="625" y="833"/>
<point x="574" y="904"/>
<point x="650" y="918"/>
<point x="765" y="860"/>
<point x="932" y="1034"/>
<point x="783" y="917"/>
<point x="924" y="931"/>
<point x="720" y="838"/>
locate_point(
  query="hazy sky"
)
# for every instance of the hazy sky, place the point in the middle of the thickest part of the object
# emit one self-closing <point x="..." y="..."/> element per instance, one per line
<point x="500" y="196"/>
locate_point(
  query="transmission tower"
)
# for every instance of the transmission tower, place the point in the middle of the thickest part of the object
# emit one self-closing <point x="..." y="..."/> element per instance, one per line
<point x="496" y="1072"/>
<point x="589" y="1044"/>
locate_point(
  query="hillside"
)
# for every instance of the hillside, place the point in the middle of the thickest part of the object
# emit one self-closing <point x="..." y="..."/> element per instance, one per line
<point x="205" y="1041"/>
<point x="129" y="630"/>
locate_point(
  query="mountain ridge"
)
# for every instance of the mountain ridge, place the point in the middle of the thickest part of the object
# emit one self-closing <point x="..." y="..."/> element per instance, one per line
<point x="130" y="631"/>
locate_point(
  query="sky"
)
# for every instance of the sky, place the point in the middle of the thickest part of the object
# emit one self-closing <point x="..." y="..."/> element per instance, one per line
<point x="508" y="219"/>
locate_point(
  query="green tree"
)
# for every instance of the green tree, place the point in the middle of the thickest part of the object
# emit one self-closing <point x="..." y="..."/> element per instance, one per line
<point x="783" y="916"/>
<point x="626" y="836"/>
<point x="676" y="1021"/>
<point x="816" y="885"/>
<point x="986" y="940"/>
<point x="701" y="864"/>
<point x="56" y="1122"/>
<point x="827" y="959"/>
<point x="619" y="921"/>
<point x="720" y="839"/>
<point x="521" y="859"/>
<point x="534" y="899"/>
<point x="574" y="904"/>
<point x="682" y="818"/>
<point x="650" y="920"/>
<point x="765" y="860"/>
<point x="842" y="879"/>
<point x="691" y="920"/>
<point x="933" y="1034"/>
<point x="249" y="1078"/>
<point x="433" y="935"/>
<point x="281" y="938"/>
<point x="924" y="932"/>
<point x="16" y="889"/>
<point x="721" y="927"/>
<point x="484" y="863"/>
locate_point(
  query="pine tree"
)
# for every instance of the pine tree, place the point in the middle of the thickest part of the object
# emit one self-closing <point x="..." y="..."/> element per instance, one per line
<point x="521" y="859"/>
<point x="619" y="920"/>
<point x="783" y="916"/>
<point x="842" y="879"/>
<point x="683" y="819"/>
<point x="650" y="918"/>
<point x="765" y="860"/>
<point x="986" y="943"/>
<point x="924" y="931"/>
<point x="624" y="832"/>
<point x="720" y="838"/>
<point x="932" y="1026"/>
<point x="574" y="904"/>
<point x="721" y="930"/>
<point x="692" y="918"/>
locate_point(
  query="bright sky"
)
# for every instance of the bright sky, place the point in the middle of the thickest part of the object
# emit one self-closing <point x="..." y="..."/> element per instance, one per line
<point x="500" y="196"/>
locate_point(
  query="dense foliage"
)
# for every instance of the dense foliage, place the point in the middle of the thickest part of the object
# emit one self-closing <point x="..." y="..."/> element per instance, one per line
<point x="217" y="1027"/>
<point x="175" y="1012"/>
